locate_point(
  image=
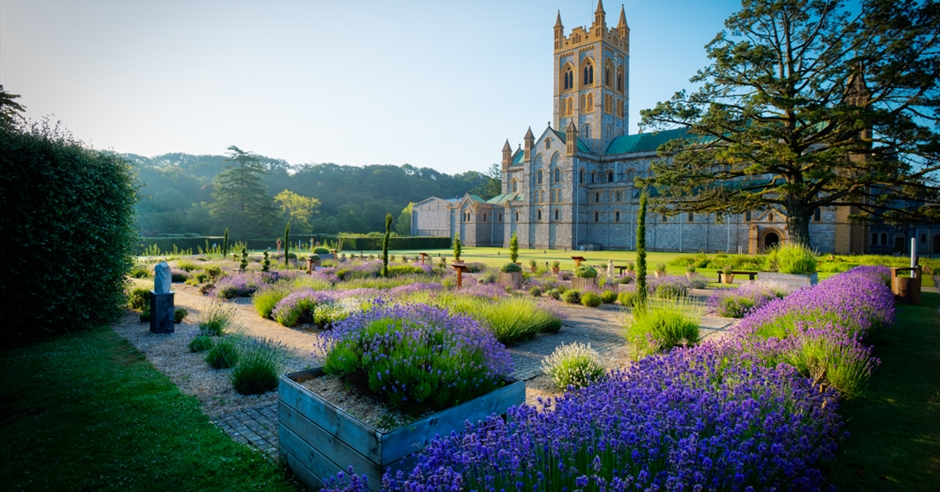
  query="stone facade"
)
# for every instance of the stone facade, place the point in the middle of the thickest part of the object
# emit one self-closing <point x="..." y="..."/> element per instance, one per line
<point x="572" y="186"/>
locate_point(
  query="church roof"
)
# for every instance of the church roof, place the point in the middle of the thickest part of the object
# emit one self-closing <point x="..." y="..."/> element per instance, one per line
<point x="581" y="147"/>
<point x="643" y="142"/>
<point x="505" y="197"/>
<point x="517" y="157"/>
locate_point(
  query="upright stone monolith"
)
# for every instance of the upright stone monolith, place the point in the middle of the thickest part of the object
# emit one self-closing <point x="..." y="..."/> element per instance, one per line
<point x="161" y="300"/>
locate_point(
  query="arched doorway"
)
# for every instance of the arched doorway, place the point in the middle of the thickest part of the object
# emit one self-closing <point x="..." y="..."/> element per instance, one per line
<point x="771" y="240"/>
<point x="899" y="244"/>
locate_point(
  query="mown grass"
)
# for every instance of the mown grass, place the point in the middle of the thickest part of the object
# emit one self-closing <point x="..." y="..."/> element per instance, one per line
<point x="894" y="426"/>
<point x="88" y="412"/>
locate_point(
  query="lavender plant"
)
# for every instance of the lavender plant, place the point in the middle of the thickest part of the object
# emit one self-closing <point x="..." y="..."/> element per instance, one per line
<point x="417" y="356"/>
<point x="575" y="365"/>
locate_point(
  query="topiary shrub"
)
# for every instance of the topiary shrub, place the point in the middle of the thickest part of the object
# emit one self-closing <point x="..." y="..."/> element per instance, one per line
<point x="63" y="205"/>
<point x="571" y="296"/>
<point x="591" y="299"/>
<point x="510" y="267"/>
<point x="608" y="296"/>
<point x="585" y="271"/>
<point x="321" y="251"/>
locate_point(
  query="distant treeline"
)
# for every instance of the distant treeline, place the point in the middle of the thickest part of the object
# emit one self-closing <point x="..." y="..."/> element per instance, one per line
<point x="177" y="195"/>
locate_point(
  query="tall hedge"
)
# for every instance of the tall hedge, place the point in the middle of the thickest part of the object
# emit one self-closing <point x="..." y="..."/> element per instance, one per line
<point x="66" y="233"/>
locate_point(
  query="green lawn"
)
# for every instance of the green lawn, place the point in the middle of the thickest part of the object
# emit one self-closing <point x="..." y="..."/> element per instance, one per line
<point x="894" y="428"/>
<point x="88" y="412"/>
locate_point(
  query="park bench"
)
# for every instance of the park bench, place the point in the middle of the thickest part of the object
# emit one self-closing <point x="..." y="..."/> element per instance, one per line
<point x="750" y="275"/>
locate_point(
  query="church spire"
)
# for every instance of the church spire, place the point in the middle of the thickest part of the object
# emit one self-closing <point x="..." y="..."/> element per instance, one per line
<point x="599" y="20"/>
<point x="558" y="21"/>
<point x="559" y="32"/>
<point x="622" y="26"/>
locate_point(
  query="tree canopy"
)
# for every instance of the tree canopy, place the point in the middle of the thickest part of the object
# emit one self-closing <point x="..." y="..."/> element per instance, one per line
<point x="805" y="105"/>
<point x="241" y="196"/>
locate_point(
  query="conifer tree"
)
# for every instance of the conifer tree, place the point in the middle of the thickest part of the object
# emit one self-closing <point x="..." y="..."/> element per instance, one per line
<point x="388" y="232"/>
<point x="641" y="293"/>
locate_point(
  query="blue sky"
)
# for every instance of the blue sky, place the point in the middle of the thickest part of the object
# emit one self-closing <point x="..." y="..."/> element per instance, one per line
<point x="437" y="84"/>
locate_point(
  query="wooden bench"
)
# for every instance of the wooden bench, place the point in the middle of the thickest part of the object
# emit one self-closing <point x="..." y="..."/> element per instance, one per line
<point x="621" y="269"/>
<point x="750" y="275"/>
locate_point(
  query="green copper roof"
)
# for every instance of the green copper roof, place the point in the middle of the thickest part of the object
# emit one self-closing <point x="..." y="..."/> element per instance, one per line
<point x="581" y="147"/>
<point x="475" y="198"/>
<point x="505" y="197"/>
<point x="517" y="159"/>
<point x="643" y="142"/>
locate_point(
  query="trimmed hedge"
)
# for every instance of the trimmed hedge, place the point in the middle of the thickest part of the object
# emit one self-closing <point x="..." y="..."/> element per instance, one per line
<point x="68" y="233"/>
<point x="350" y="243"/>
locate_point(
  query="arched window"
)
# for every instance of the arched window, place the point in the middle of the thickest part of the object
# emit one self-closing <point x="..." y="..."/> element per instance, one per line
<point x="581" y="176"/>
<point x="874" y="239"/>
<point x="484" y="217"/>
<point x="557" y="175"/>
<point x="607" y="75"/>
<point x="559" y="195"/>
<point x="665" y="219"/>
<point x="884" y="238"/>
<point x="500" y="217"/>
<point x="517" y="216"/>
<point x="620" y="80"/>
<point x="747" y="216"/>
<point x="542" y="193"/>
<point x="597" y="197"/>
<point x="610" y="176"/>
<point x="590" y="102"/>
<point x="593" y="177"/>
<point x="568" y="78"/>
<point x="585" y="132"/>
<point x="817" y="215"/>
<point x="597" y="216"/>
<point x="691" y="217"/>
<point x="540" y="176"/>
<point x="514" y="186"/>
<point x="556" y="215"/>
<point x="923" y="238"/>
<point x="548" y="143"/>
<point x="617" y="216"/>
<point x="539" y="215"/>
<point x="568" y="109"/>
<point x="588" y="73"/>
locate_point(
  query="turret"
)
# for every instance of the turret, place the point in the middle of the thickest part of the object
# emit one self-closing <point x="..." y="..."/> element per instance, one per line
<point x="559" y="32"/>
<point x="529" y="140"/>
<point x="507" y="155"/>
<point x="622" y="28"/>
<point x="599" y="21"/>
<point x="571" y="138"/>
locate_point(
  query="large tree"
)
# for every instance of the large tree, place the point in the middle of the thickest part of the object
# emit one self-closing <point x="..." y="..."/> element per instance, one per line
<point x="241" y="198"/>
<point x="808" y="105"/>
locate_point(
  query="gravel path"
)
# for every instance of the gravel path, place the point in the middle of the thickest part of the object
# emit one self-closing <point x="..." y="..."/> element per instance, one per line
<point x="248" y="419"/>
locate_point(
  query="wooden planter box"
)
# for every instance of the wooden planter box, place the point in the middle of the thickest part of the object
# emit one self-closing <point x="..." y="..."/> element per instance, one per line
<point x="793" y="281"/>
<point x="510" y="279"/>
<point x="581" y="283"/>
<point x="319" y="439"/>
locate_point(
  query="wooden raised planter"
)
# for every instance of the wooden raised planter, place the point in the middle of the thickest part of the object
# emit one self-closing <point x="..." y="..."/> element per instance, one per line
<point x="793" y="281"/>
<point x="581" y="283"/>
<point x="319" y="439"/>
<point x="510" y="279"/>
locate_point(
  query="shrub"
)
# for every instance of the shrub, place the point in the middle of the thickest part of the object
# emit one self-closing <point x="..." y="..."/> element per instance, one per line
<point x="178" y="276"/>
<point x="260" y="362"/>
<point x="591" y="299"/>
<point x="513" y="248"/>
<point x="328" y="313"/>
<point x="608" y="296"/>
<point x="556" y="264"/>
<point x="553" y="293"/>
<point x="66" y="255"/>
<point x="662" y="326"/>
<point x="791" y="258"/>
<point x="737" y="303"/>
<point x="216" y="318"/>
<point x="399" y="270"/>
<point x="625" y="280"/>
<point x="141" y="272"/>
<point x="661" y="267"/>
<point x="574" y="365"/>
<point x="571" y="296"/>
<point x="179" y="314"/>
<point x="201" y="343"/>
<point x="186" y="265"/>
<point x="670" y="291"/>
<point x="267" y="297"/>
<point x="535" y="291"/>
<point x="627" y="298"/>
<point x="298" y="306"/>
<point x="417" y="356"/>
<point x="510" y="267"/>
<point x="139" y="299"/>
<point x="213" y="271"/>
<point x="238" y="285"/>
<point x="690" y="268"/>
<point x="321" y="250"/>
<point x="585" y="271"/>
<point x="223" y="354"/>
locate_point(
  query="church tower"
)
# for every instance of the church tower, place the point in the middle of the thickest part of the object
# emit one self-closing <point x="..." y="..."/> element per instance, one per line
<point x="591" y="79"/>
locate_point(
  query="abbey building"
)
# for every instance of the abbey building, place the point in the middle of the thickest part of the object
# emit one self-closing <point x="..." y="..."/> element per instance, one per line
<point x="571" y="186"/>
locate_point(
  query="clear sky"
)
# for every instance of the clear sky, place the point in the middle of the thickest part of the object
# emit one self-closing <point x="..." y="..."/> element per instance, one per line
<point x="433" y="83"/>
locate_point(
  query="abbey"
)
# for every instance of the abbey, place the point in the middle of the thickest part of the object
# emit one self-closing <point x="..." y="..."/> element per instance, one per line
<point x="572" y="185"/>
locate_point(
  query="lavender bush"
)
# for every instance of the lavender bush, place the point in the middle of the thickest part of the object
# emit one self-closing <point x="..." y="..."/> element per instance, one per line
<point x="688" y="420"/>
<point x="749" y="296"/>
<point x="417" y="356"/>
<point x="237" y="285"/>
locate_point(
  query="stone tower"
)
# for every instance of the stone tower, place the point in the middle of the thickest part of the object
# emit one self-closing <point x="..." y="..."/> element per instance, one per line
<point x="592" y="68"/>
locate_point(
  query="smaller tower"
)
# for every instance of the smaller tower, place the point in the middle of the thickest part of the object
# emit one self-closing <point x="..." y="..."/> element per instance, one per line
<point x="559" y="32"/>
<point x="600" y="22"/>
<point x="622" y="28"/>
<point x="507" y="155"/>
<point x="529" y="143"/>
<point x="571" y="138"/>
